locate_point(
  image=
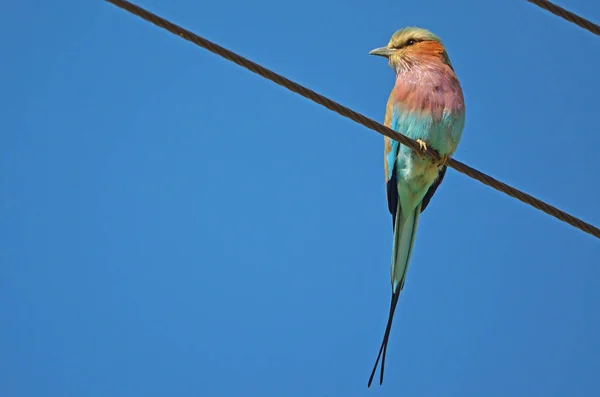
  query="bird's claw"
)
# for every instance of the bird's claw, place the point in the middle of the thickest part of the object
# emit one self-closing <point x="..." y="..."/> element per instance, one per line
<point x="422" y="146"/>
<point x="442" y="161"/>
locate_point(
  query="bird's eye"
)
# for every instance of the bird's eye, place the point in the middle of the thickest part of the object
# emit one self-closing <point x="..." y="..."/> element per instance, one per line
<point x="411" y="41"/>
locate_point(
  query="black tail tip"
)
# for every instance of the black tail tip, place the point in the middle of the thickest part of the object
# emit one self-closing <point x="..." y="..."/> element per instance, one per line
<point x="371" y="381"/>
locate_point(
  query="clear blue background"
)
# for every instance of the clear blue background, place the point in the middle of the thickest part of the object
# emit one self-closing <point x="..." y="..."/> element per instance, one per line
<point x="174" y="225"/>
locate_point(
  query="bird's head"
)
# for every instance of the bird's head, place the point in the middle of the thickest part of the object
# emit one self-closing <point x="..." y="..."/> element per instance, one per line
<point x="411" y="45"/>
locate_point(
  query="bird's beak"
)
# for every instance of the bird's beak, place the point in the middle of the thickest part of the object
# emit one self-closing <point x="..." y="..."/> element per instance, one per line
<point x="382" y="51"/>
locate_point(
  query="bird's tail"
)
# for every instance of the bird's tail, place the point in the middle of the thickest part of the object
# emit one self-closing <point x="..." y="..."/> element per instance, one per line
<point x="405" y="229"/>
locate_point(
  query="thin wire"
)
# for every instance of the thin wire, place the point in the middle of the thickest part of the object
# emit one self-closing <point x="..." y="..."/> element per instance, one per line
<point x="357" y="117"/>
<point x="568" y="15"/>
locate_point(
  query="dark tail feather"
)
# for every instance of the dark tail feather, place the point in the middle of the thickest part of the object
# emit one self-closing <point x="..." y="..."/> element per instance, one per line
<point x="386" y="336"/>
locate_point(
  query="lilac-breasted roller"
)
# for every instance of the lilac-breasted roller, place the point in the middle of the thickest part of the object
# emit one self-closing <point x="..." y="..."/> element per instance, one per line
<point x="427" y="105"/>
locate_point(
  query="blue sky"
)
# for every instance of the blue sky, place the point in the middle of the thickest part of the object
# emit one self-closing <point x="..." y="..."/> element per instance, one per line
<point x="172" y="224"/>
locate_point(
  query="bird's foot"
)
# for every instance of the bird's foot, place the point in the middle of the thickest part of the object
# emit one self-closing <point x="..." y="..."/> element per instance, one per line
<point x="442" y="161"/>
<point x="422" y="146"/>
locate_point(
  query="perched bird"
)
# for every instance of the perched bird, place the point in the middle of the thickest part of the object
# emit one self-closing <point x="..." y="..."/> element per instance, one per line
<point x="427" y="105"/>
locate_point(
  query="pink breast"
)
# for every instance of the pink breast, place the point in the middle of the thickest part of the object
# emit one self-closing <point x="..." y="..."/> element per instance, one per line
<point x="429" y="89"/>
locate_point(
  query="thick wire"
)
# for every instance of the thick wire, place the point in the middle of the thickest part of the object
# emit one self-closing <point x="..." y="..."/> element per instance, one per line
<point x="568" y="15"/>
<point x="357" y="117"/>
